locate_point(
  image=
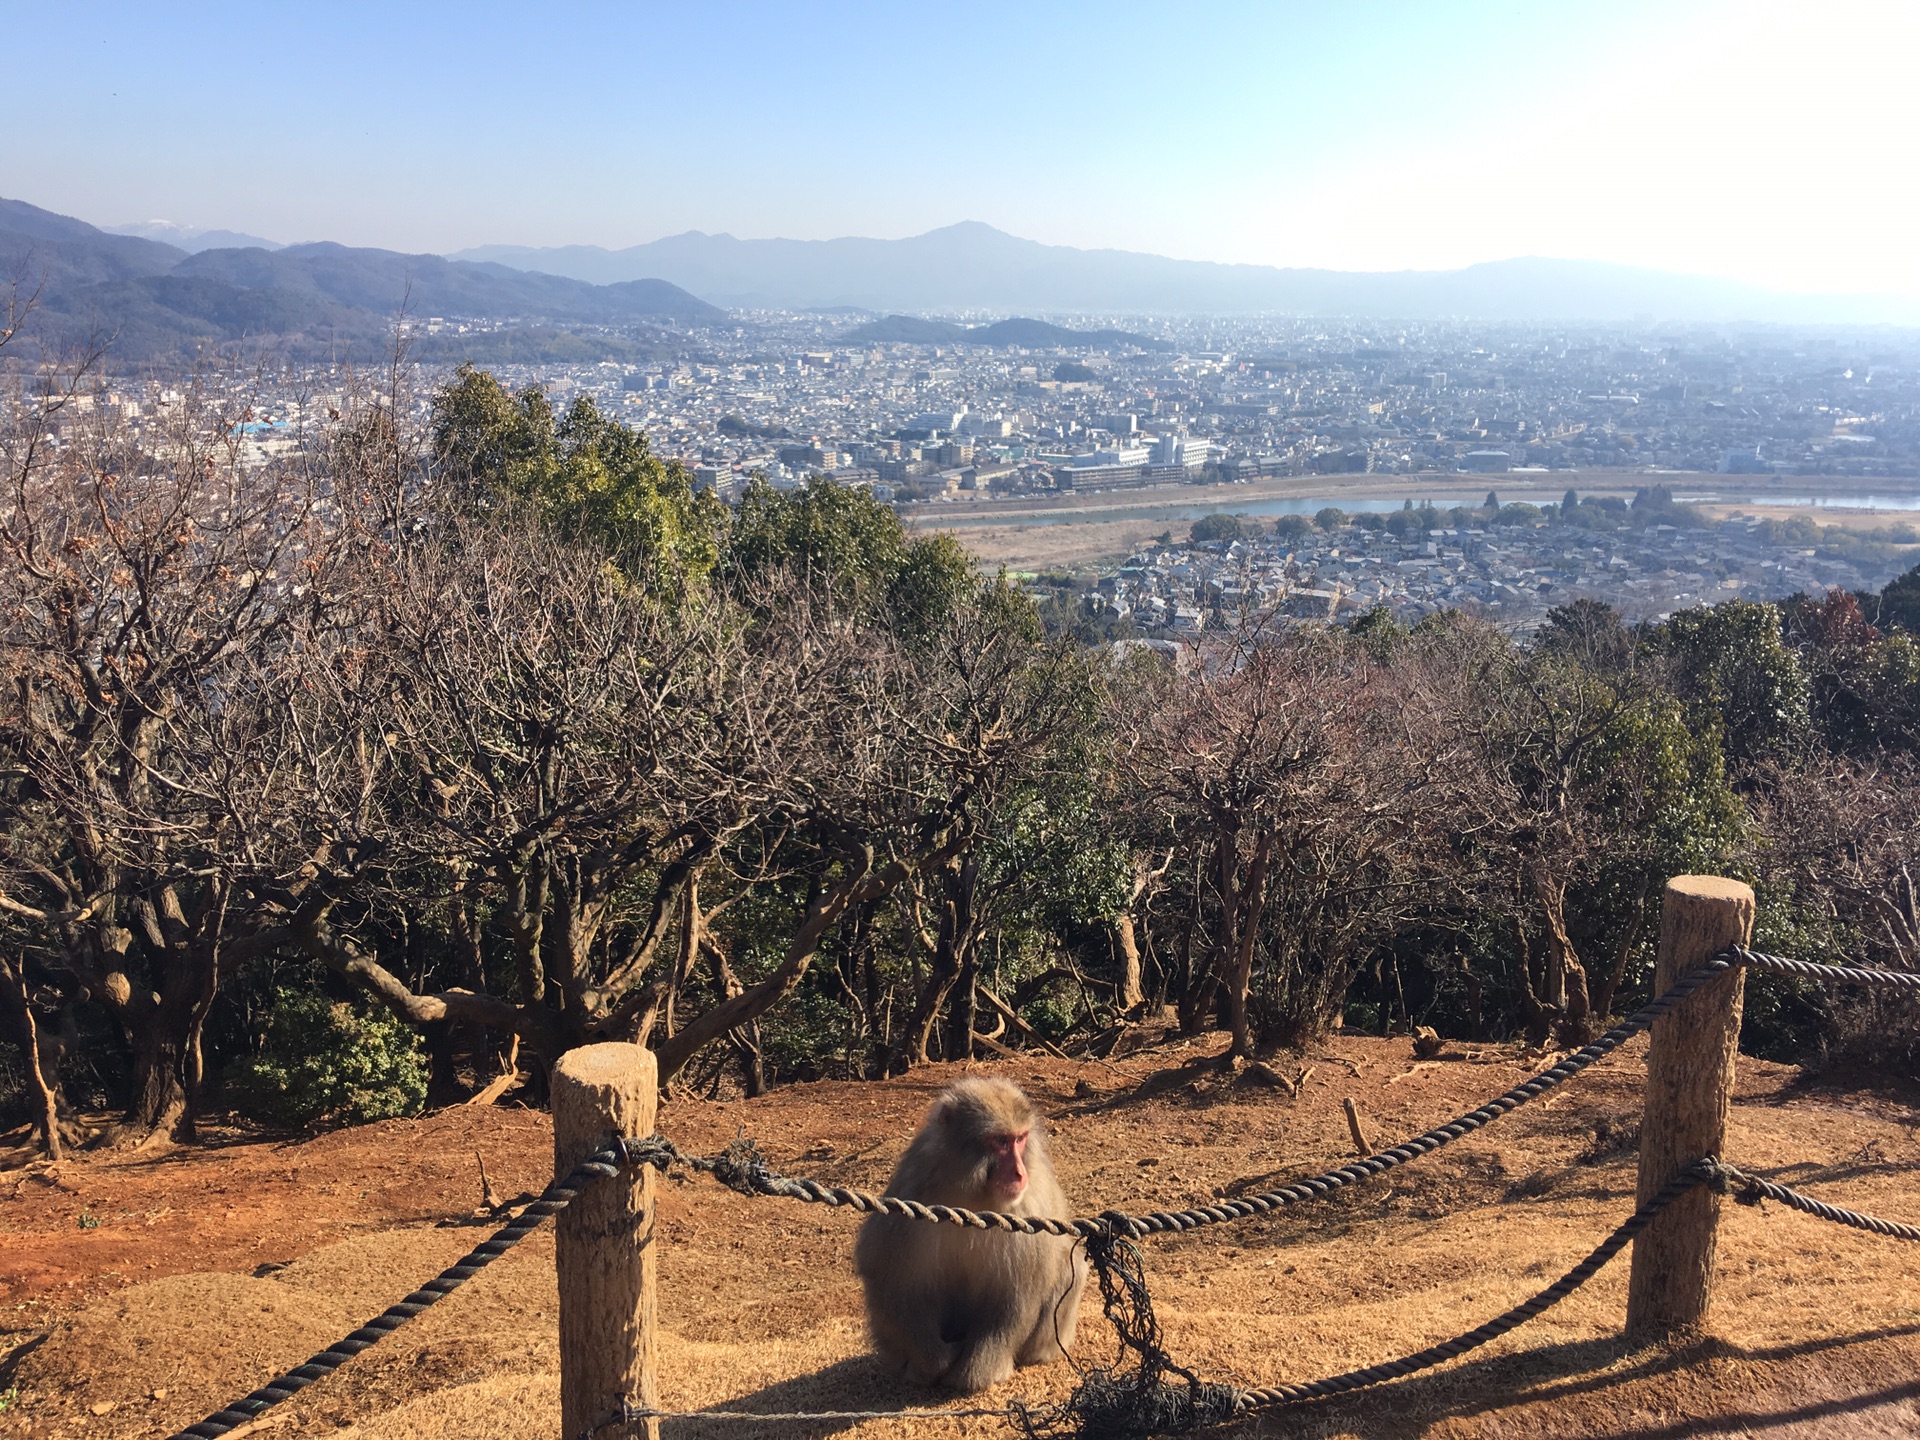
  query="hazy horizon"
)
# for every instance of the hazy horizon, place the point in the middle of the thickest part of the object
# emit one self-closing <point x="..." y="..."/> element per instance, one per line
<point x="1758" y="143"/>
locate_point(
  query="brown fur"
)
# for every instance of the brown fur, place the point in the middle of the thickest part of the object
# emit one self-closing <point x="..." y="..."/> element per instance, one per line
<point x="962" y="1307"/>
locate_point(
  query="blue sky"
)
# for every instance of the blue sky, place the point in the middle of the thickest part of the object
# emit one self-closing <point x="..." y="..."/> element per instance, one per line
<point x="1765" y="141"/>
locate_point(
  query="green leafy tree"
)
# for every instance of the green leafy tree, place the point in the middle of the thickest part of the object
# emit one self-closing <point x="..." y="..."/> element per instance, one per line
<point x="1519" y="513"/>
<point x="1379" y="632"/>
<point x="581" y="469"/>
<point x="1589" y="631"/>
<point x="1731" y="663"/>
<point x="1293" y="527"/>
<point x="1209" y="528"/>
<point x="1330" y="518"/>
<point x="1900" y="602"/>
<point x="847" y="546"/>
<point x="325" y="1062"/>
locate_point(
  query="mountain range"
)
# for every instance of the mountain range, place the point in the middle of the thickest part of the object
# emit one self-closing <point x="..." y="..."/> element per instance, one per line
<point x="146" y="299"/>
<point x="972" y="266"/>
<point x="151" y="298"/>
<point x="185" y="237"/>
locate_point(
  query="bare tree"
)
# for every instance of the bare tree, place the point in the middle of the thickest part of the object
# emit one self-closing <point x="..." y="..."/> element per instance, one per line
<point x="1282" y="766"/>
<point x="152" y="582"/>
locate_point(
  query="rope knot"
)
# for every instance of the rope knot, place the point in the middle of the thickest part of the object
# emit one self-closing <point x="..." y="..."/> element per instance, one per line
<point x="656" y="1150"/>
<point x="1715" y="1176"/>
<point x="742" y="1166"/>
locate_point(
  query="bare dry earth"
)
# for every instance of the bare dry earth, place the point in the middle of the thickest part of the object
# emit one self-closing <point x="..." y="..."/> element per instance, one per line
<point x="169" y="1306"/>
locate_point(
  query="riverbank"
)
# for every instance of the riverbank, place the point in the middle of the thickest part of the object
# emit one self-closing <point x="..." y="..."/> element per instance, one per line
<point x="1090" y="530"/>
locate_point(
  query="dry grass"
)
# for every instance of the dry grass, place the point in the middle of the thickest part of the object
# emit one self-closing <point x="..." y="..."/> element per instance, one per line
<point x="1816" y="1332"/>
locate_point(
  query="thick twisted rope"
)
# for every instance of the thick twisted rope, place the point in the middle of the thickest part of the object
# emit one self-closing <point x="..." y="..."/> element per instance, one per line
<point x="1109" y="1406"/>
<point x="1752" y="1190"/>
<point x="1707" y="1171"/>
<point x="634" y="1414"/>
<point x="1807" y="969"/>
<point x="555" y="1198"/>
<point x="743" y="1168"/>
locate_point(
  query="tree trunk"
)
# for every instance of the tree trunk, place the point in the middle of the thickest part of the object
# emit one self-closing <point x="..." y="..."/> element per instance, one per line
<point x="746" y="1039"/>
<point x="1253" y="902"/>
<point x="194" y="1076"/>
<point x="1475" y="993"/>
<point x="1610" y="988"/>
<point x="1200" y="1000"/>
<point x="1539" y="1020"/>
<point x="45" y="1104"/>
<point x="952" y="941"/>
<point x="159" y="1100"/>
<point x="1566" y="975"/>
<point x="683" y="958"/>
<point x="963" y="1013"/>
<point x="823" y="913"/>
<point x="443" y="1081"/>
<point x="157" y="1028"/>
<point x="1132" y="998"/>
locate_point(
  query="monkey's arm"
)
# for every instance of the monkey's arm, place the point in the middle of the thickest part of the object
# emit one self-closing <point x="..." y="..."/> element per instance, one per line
<point x="905" y="1307"/>
<point x="989" y="1331"/>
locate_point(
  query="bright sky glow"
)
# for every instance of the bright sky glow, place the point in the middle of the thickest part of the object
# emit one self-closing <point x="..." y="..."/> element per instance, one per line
<point x="1769" y="142"/>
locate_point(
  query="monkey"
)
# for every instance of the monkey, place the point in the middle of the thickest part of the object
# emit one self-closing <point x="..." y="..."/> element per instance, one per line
<point x="961" y="1307"/>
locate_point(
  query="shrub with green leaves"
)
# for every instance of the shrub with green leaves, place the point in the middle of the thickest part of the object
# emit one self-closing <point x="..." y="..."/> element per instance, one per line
<point x="324" y="1062"/>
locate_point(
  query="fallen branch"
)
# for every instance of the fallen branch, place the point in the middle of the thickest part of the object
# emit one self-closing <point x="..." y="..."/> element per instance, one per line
<point x="1012" y="1017"/>
<point x="1361" y="1143"/>
<point x="499" y="1085"/>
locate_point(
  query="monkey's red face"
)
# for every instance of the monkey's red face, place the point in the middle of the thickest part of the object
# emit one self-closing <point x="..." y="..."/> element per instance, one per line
<point x="1007" y="1164"/>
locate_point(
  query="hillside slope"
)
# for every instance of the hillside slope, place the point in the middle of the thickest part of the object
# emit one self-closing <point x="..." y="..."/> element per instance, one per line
<point x="1019" y="331"/>
<point x="204" y="1274"/>
<point x="146" y="300"/>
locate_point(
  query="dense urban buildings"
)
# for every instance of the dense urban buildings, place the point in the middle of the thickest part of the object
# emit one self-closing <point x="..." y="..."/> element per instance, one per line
<point x="1160" y="406"/>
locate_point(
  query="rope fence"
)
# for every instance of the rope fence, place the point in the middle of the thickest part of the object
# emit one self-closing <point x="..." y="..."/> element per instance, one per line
<point x="555" y="1198"/>
<point x="743" y="1168"/>
<point x="1115" y="1403"/>
<point x="1136" y="1399"/>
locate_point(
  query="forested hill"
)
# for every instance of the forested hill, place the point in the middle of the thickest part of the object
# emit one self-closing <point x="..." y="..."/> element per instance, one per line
<point x="1020" y="331"/>
<point x="150" y="300"/>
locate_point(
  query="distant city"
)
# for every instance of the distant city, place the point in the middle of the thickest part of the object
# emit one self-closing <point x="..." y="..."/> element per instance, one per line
<point x="791" y="395"/>
<point x="967" y="420"/>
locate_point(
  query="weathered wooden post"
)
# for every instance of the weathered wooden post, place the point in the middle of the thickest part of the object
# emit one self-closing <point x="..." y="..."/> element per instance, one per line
<point x="1689" y="1088"/>
<point x="604" y="1241"/>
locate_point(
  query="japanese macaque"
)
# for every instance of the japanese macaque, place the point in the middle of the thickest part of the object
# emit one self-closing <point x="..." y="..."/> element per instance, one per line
<point x="961" y="1307"/>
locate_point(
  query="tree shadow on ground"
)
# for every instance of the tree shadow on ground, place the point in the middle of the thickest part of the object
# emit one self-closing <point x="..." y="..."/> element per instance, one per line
<point x="861" y="1383"/>
<point x="1564" y="1372"/>
<point x="1397" y="1411"/>
<point x="1847" y="1081"/>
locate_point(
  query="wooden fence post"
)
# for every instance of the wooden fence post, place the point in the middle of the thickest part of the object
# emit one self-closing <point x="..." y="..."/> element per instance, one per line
<point x="1689" y="1088"/>
<point x="604" y="1241"/>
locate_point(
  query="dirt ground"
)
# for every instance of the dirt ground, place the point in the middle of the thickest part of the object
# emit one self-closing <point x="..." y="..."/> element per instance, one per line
<point x="142" y="1291"/>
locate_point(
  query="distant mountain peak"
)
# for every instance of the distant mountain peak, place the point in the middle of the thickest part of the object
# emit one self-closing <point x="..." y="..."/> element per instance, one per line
<point x="191" y="238"/>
